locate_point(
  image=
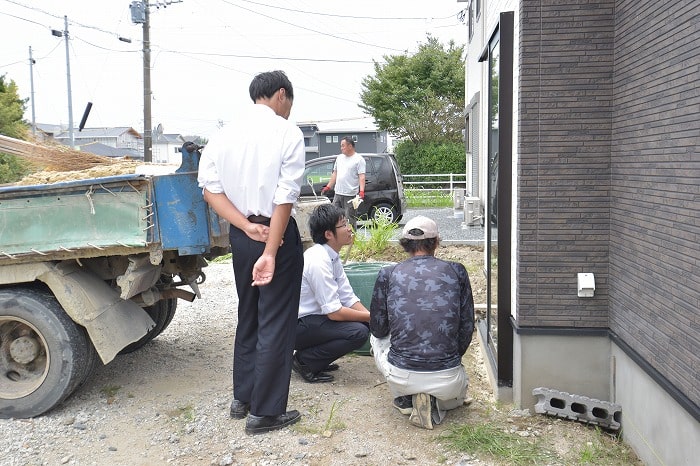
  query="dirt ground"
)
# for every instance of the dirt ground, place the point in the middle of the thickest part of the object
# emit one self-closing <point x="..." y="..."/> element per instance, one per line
<point x="168" y="402"/>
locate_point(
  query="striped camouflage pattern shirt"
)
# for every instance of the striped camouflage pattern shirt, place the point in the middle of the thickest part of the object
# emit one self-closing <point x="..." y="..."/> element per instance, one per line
<point x="426" y="306"/>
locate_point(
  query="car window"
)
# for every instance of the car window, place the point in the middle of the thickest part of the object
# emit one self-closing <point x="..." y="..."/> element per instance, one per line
<point x="370" y="166"/>
<point x="319" y="173"/>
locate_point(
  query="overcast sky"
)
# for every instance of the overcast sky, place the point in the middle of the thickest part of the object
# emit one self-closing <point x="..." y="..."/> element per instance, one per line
<point x="204" y="54"/>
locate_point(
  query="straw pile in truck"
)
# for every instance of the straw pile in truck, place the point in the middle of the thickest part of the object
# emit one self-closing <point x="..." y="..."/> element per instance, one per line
<point x="58" y="163"/>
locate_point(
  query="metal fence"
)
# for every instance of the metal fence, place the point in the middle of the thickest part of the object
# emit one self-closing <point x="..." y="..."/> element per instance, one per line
<point x="440" y="184"/>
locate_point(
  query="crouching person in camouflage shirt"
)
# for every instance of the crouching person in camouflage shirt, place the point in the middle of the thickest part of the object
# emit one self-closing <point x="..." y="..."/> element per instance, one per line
<point x="421" y="321"/>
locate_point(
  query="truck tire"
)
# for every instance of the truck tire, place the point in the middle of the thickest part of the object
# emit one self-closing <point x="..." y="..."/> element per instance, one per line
<point x="44" y="355"/>
<point x="162" y="314"/>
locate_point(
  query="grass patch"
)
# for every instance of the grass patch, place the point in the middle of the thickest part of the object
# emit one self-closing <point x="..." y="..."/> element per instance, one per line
<point x="220" y="259"/>
<point x="185" y="412"/>
<point x="487" y="440"/>
<point x="604" y="449"/>
<point x="416" y="198"/>
<point x="373" y="242"/>
<point x="331" y="424"/>
<point x="110" y="391"/>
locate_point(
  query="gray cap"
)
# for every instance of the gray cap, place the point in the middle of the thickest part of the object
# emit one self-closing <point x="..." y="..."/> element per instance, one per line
<point x="420" y="228"/>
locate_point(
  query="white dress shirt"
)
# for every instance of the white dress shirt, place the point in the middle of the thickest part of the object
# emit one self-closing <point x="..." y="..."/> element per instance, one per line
<point x="257" y="160"/>
<point x="324" y="286"/>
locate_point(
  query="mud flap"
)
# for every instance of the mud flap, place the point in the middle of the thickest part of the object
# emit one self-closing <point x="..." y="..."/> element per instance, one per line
<point x="111" y="322"/>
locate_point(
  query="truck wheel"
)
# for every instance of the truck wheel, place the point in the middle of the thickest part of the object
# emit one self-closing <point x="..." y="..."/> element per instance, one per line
<point x="162" y="314"/>
<point x="44" y="355"/>
<point x="384" y="213"/>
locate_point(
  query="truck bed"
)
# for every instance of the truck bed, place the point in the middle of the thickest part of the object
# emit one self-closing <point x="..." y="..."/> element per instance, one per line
<point x="115" y="215"/>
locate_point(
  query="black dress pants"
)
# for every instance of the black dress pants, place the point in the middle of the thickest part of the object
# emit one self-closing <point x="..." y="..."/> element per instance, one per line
<point x="267" y="317"/>
<point x="320" y="340"/>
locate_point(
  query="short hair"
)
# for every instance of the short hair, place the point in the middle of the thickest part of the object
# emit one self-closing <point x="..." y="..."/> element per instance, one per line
<point x="267" y="83"/>
<point x="324" y="218"/>
<point x="412" y="246"/>
<point x="349" y="140"/>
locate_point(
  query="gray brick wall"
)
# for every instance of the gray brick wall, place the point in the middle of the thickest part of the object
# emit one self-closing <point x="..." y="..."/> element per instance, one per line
<point x="655" y="195"/>
<point x="609" y="174"/>
<point x="566" y="98"/>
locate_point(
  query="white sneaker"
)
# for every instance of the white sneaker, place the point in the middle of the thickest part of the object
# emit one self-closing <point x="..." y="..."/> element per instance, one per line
<point x="421" y="415"/>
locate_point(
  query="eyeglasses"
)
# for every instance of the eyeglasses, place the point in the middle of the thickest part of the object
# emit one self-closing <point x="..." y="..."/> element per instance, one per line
<point x="342" y="225"/>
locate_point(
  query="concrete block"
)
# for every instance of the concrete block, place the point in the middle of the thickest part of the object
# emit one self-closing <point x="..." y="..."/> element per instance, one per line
<point x="577" y="408"/>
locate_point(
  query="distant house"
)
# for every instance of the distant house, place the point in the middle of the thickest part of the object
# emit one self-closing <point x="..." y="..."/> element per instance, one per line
<point x="166" y="148"/>
<point x="46" y="132"/>
<point x="122" y="137"/>
<point x="116" y="142"/>
<point x="98" y="148"/>
<point x="321" y="142"/>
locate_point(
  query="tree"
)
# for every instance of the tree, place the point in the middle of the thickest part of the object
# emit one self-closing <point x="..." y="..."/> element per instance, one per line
<point x="419" y="97"/>
<point x="12" y="110"/>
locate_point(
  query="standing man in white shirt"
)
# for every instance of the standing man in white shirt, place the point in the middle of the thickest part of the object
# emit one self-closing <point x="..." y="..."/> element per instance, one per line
<point x="332" y="320"/>
<point x="348" y="177"/>
<point x="251" y="173"/>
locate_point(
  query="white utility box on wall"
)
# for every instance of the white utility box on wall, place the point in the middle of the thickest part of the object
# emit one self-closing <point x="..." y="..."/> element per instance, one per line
<point x="586" y="285"/>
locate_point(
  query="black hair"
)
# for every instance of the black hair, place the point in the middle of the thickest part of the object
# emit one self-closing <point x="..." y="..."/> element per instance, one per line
<point x="322" y="219"/>
<point x="267" y="83"/>
<point x="348" y="139"/>
<point x="412" y="246"/>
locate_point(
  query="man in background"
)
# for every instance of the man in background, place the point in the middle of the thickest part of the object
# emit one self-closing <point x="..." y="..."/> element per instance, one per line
<point x="348" y="178"/>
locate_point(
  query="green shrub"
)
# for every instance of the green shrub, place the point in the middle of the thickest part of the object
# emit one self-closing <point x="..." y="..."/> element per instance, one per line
<point x="416" y="159"/>
<point x="12" y="168"/>
<point x="374" y="241"/>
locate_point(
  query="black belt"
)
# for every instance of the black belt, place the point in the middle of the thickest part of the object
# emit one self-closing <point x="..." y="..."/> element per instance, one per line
<point x="258" y="219"/>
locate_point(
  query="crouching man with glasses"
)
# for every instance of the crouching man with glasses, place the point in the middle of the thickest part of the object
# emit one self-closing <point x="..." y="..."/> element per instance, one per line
<point x="332" y="320"/>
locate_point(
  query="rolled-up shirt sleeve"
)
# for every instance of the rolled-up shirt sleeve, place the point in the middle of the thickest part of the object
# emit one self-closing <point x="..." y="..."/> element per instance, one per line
<point x="208" y="175"/>
<point x="292" y="170"/>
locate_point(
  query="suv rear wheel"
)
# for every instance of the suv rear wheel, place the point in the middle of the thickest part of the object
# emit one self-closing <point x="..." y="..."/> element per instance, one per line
<point x="384" y="213"/>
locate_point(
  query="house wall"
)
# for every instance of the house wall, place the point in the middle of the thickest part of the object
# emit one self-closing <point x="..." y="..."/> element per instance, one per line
<point x="368" y="142"/>
<point x="655" y="187"/>
<point x="566" y="60"/>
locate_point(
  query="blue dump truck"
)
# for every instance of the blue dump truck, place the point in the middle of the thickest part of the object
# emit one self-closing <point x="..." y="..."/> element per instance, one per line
<point x="93" y="268"/>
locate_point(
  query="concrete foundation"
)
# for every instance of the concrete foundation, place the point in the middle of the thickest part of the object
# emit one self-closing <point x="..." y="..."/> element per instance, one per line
<point x="659" y="430"/>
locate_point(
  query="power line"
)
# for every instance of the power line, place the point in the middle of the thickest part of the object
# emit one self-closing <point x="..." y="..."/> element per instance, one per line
<point x="70" y="22"/>
<point x="262" y="57"/>
<point x="348" y="16"/>
<point x="309" y="29"/>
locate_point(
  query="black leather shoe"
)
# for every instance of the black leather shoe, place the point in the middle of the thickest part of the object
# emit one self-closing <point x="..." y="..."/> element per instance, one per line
<point x="331" y="367"/>
<point x="239" y="410"/>
<point x="261" y="424"/>
<point x="308" y="375"/>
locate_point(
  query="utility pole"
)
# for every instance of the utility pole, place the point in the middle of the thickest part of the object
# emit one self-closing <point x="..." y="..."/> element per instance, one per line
<point x="70" y="95"/>
<point x="31" y="83"/>
<point x="140" y="14"/>
<point x="64" y="34"/>
<point x="147" y="132"/>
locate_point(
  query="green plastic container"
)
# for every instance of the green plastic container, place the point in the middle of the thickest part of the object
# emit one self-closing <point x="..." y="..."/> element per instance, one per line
<point x="362" y="276"/>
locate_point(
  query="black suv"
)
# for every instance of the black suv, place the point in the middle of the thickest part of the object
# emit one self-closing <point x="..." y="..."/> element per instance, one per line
<point x="384" y="200"/>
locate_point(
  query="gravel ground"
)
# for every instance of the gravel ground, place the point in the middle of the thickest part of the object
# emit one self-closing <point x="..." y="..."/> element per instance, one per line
<point x="168" y="402"/>
<point x="451" y="226"/>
